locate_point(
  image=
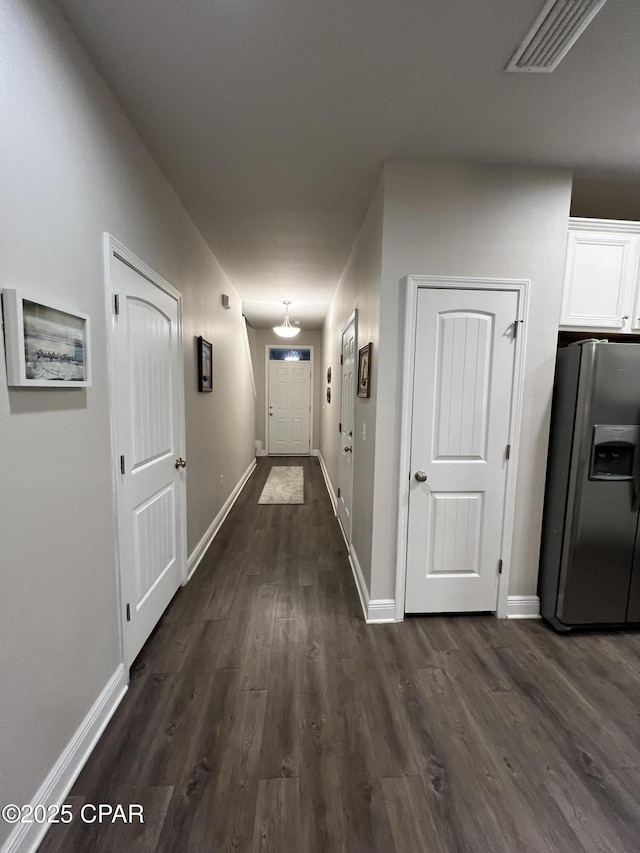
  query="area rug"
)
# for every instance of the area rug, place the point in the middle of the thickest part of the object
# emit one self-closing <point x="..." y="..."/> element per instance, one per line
<point x="285" y="485"/>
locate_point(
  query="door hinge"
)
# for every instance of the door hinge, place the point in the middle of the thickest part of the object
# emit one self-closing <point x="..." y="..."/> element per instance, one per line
<point x="339" y="427"/>
<point x="507" y="452"/>
<point x="122" y="471"/>
<point x="516" y="323"/>
<point x="128" y="613"/>
<point x="338" y="492"/>
<point x="341" y="359"/>
<point x="116" y="303"/>
<point x="499" y="567"/>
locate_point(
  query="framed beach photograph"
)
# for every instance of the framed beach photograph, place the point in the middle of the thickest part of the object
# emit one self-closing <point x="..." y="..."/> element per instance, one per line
<point x="205" y="365"/>
<point x="364" y="370"/>
<point x="47" y="345"/>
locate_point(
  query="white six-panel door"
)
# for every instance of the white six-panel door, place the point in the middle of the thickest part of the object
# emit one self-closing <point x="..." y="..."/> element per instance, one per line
<point x="347" y="416"/>
<point x="289" y="407"/>
<point x="462" y="404"/>
<point x="147" y="359"/>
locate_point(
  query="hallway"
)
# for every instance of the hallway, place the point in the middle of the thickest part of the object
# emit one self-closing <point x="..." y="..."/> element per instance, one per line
<point x="264" y="715"/>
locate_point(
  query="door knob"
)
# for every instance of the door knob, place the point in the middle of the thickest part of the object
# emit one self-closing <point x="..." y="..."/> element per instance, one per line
<point x="348" y="450"/>
<point x="420" y="476"/>
<point x="181" y="463"/>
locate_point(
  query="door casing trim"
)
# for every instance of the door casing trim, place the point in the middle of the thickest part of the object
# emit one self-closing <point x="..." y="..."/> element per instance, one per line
<point x="114" y="248"/>
<point x="411" y="285"/>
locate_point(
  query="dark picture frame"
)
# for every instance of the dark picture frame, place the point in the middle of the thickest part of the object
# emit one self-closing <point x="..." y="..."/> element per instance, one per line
<point x="364" y="370"/>
<point x="205" y="364"/>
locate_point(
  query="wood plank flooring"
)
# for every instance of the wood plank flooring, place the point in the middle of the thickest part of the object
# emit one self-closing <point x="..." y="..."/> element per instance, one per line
<point x="264" y="715"/>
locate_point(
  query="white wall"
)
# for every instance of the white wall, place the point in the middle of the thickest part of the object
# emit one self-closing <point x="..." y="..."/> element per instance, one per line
<point x="259" y="339"/>
<point x="219" y="424"/>
<point x="73" y="168"/>
<point x="359" y="288"/>
<point x="463" y="220"/>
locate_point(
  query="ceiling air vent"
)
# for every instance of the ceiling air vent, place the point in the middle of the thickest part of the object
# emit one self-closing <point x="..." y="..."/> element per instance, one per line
<point x="557" y="27"/>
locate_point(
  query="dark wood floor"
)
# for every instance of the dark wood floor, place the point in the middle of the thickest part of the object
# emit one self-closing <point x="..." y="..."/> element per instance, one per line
<point x="264" y="715"/>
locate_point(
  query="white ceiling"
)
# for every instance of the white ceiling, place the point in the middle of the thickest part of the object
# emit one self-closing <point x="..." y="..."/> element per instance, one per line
<point x="272" y="118"/>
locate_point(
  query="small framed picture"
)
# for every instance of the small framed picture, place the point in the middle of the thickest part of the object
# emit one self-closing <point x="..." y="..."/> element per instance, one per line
<point x="205" y="365"/>
<point x="48" y="346"/>
<point x="364" y="370"/>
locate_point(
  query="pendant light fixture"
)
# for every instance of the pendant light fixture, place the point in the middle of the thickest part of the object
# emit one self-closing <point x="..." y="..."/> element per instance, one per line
<point x="286" y="330"/>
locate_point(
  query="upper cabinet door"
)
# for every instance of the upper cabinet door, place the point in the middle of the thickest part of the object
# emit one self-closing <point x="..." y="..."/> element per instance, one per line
<point x="599" y="285"/>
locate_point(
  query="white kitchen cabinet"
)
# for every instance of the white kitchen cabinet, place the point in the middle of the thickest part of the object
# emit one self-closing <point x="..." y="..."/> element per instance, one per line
<point x="602" y="281"/>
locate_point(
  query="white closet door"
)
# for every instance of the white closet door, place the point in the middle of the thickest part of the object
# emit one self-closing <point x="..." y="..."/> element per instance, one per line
<point x="151" y="489"/>
<point x="462" y="399"/>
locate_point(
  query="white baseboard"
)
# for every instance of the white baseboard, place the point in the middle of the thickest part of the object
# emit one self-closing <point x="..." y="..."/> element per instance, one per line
<point x="26" y="837"/>
<point x="261" y="453"/>
<point x="523" y="607"/>
<point x="327" y="482"/>
<point x="344" y="535"/>
<point x="361" y="586"/>
<point x="382" y="610"/>
<point x="201" y="548"/>
<point x="374" y="610"/>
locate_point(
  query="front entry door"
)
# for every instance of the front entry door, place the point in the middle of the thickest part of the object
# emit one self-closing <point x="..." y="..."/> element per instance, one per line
<point x="462" y="403"/>
<point x="151" y="480"/>
<point x="347" y="416"/>
<point x="289" y="421"/>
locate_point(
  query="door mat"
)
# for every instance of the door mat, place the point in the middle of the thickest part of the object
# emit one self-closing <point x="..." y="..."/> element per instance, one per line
<point x="285" y="485"/>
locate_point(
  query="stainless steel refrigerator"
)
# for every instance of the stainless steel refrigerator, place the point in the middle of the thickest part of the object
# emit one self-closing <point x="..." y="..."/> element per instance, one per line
<point x="590" y="554"/>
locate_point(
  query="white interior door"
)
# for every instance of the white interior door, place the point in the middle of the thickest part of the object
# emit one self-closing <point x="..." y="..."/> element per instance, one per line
<point x="289" y="404"/>
<point x="462" y="402"/>
<point x="149" y="429"/>
<point x="347" y="415"/>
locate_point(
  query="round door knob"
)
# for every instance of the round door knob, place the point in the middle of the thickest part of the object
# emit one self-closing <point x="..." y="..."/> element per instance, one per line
<point x="181" y="463"/>
<point x="420" y="476"/>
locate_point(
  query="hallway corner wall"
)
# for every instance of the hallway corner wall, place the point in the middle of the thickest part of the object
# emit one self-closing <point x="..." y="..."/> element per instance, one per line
<point x="359" y="288"/>
<point x="455" y="219"/>
<point x="73" y="168"/>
